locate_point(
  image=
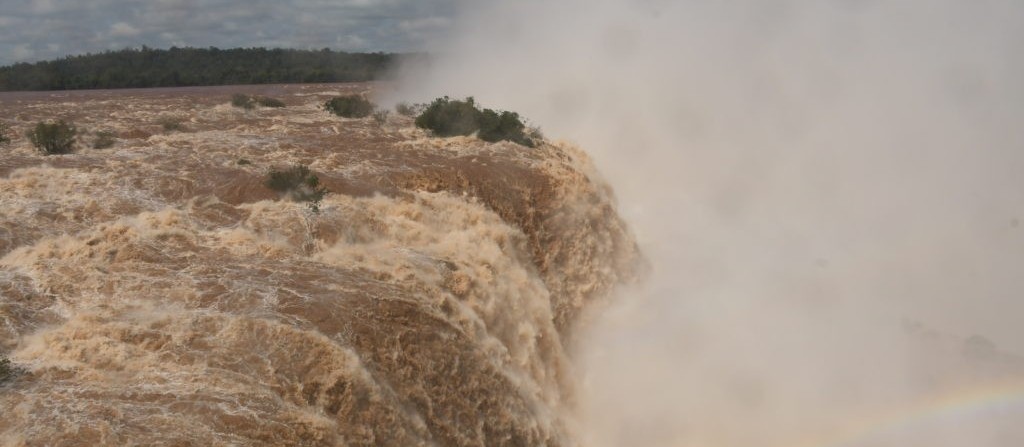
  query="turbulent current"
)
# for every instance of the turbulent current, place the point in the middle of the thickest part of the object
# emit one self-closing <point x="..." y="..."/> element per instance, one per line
<point x="156" y="293"/>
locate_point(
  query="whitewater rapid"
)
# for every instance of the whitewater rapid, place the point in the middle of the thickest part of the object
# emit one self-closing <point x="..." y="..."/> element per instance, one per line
<point x="157" y="293"/>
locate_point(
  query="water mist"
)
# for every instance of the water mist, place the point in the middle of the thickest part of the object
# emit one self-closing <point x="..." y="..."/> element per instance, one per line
<point x="829" y="194"/>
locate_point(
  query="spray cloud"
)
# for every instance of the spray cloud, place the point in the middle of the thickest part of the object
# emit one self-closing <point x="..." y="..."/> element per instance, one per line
<point x="829" y="193"/>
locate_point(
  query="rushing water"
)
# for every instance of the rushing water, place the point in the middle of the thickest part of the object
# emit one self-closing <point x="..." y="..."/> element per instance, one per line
<point x="156" y="293"/>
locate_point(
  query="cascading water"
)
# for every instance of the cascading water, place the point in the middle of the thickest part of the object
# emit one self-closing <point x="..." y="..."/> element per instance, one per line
<point x="157" y="293"/>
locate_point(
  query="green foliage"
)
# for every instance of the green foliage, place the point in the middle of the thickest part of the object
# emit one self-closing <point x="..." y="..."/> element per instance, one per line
<point x="244" y="162"/>
<point x="351" y="106"/>
<point x="265" y="101"/>
<point x="299" y="183"/>
<point x="171" y="124"/>
<point x="7" y="370"/>
<point x="243" y="101"/>
<point x="535" y="133"/>
<point x="495" y="126"/>
<point x="4" y="129"/>
<point x="404" y="109"/>
<point x="104" y="139"/>
<point x="53" y="138"/>
<point x="449" y="117"/>
<point x="178" y="67"/>
<point x="381" y="117"/>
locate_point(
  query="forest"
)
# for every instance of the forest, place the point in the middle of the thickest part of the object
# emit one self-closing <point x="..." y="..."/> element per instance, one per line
<point x="179" y="67"/>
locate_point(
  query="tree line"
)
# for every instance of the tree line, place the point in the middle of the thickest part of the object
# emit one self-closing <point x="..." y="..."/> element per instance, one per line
<point x="181" y="67"/>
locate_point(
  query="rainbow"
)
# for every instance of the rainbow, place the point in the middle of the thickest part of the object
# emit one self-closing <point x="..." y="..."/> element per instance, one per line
<point x="962" y="402"/>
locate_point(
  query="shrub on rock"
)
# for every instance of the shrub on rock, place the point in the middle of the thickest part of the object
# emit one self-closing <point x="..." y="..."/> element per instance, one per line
<point x="7" y="370"/>
<point x="53" y="138"/>
<point x="243" y="101"/>
<point x="351" y="106"/>
<point x="447" y="117"/>
<point x="299" y="183"/>
<point x="4" y="137"/>
<point x="265" y="101"/>
<point x="104" y="139"/>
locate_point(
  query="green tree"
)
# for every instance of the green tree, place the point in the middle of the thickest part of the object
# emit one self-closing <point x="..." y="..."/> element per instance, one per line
<point x="446" y="117"/>
<point x="405" y="109"/>
<point x="265" y="101"/>
<point x="7" y="370"/>
<point x="299" y="183"/>
<point x="53" y="138"/>
<point x="243" y="101"/>
<point x="173" y="67"/>
<point x="4" y="137"/>
<point x="350" y="106"/>
<point x="495" y="126"/>
<point x="104" y="139"/>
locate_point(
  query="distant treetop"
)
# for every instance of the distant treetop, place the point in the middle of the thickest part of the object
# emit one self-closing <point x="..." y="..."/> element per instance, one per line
<point x="180" y="67"/>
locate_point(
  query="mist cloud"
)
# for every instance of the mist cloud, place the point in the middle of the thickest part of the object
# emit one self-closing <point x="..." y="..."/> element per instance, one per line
<point x="830" y="194"/>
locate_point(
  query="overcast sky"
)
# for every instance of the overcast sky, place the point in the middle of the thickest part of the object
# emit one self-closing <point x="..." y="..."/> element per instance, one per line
<point x="33" y="30"/>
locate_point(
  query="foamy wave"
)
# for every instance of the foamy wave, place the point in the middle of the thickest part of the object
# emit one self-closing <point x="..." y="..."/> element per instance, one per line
<point x="159" y="294"/>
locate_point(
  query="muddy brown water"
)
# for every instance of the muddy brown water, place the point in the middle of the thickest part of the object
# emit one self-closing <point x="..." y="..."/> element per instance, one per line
<point x="156" y="293"/>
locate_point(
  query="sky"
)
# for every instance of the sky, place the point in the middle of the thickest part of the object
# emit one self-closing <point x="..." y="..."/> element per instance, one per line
<point x="32" y="30"/>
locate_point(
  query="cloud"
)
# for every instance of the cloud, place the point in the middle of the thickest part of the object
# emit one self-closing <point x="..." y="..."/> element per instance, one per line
<point x="121" y="29"/>
<point x="47" y="29"/>
<point x="23" y="52"/>
<point x="420" y="24"/>
<point x="44" y="6"/>
<point x="424" y="27"/>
